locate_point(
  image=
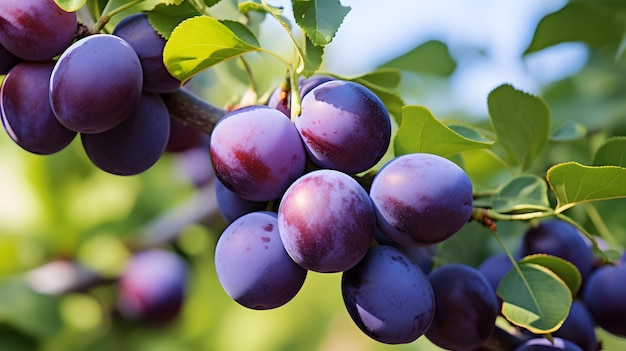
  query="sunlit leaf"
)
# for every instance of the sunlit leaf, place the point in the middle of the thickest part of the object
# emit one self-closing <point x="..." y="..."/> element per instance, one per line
<point x="526" y="192"/>
<point x="534" y="298"/>
<point x="431" y="57"/>
<point x="564" y="269"/>
<point x="70" y="5"/>
<point x="521" y="122"/>
<point x="585" y="21"/>
<point x="569" y="131"/>
<point x="420" y="131"/>
<point x="201" y="42"/>
<point x="573" y="183"/>
<point x="319" y="19"/>
<point x="611" y="153"/>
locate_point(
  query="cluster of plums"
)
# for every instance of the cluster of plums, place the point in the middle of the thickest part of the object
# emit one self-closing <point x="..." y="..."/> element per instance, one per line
<point x="105" y="87"/>
<point x="599" y="302"/>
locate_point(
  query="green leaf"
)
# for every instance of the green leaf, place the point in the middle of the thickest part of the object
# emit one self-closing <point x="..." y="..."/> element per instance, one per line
<point x="164" y="18"/>
<point x="470" y="132"/>
<point x="312" y="56"/>
<point x="202" y="42"/>
<point x="383" y="77"/>
<point x="584" y="21"/>
<point x="534" y="298"/>
<point x="526" y="192"/>
<point x="70" y="5"/>
<point x="569" y="131"/>
<point x="431" y="57"/>
<point x="34" y="313"/>
<point x="420" y="131"/>
<point x="319" y="19"/>
<point x="573" y="183"/>
<point x="521" y="122"/>
<point x="611" y="153"/>
<point x="564" y="269"/>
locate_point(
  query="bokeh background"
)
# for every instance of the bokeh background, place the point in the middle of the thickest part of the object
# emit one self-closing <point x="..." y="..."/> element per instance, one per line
<point x="60" y="208"/>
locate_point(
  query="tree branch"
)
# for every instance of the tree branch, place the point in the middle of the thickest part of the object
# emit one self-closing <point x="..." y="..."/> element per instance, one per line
<point x="192" y="110"/>
<point x="63" y="277"/>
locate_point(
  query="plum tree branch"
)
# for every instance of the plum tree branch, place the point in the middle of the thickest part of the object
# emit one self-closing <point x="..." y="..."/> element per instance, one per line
<point x="192" y="110"/>
<point x="63" y="277"/>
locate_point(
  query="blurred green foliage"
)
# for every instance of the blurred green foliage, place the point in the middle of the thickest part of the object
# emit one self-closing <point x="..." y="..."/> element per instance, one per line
<point x="60" y="207"/>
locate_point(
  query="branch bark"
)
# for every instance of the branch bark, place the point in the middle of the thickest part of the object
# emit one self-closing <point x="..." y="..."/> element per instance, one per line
<point x="192" y="110"/>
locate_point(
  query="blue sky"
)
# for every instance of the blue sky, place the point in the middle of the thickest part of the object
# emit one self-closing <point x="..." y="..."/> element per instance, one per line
<point x="375" y="31"/>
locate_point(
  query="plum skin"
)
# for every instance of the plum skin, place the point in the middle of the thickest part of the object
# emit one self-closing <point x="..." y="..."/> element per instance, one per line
<point x="559" y="238"/>
<point x="326" y="221"/>
<point x="466" y="307"/>
<point x="252" y="265"/>
<point x="421" y="199"/>
<point x="603" y="294"/>
<point x="256" y="152"/>
<point x="149" y="45"/>
<point x="344" y="126"/>
<point x="388" y="297"/>
<point x="543" y="344"/>
<point x="35" y="30"/>
<point x="152" y="286"/>
<point x="96" y="84"/>
<point x="136" y="144"/>
<point x="25" y="109"/>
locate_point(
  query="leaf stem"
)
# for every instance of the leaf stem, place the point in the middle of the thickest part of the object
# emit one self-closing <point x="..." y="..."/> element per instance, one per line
<point x="586" y="233"/>
<point x="200" y="7"/>
<point x="479" y="213"/>
<point x="107" y="14"/>
<point x="598" y="222"/>
<point x="250" y="74"/>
